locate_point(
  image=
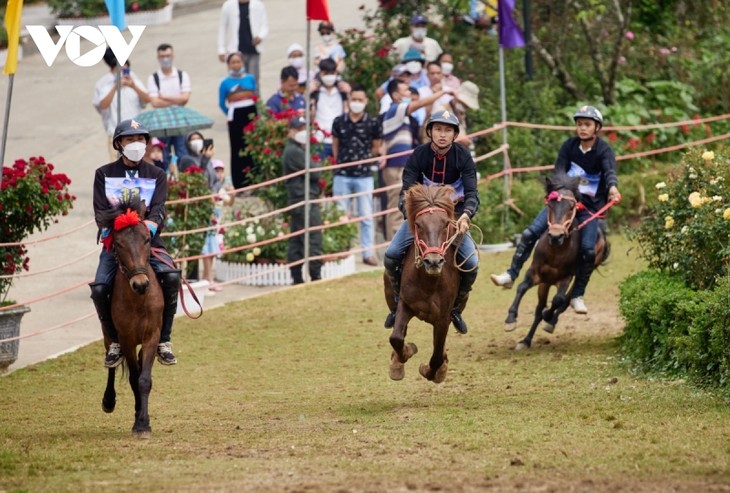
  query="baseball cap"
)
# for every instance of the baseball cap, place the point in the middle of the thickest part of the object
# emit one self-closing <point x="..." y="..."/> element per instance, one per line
<point x="297" y="122"/>
<point x="217" y="163"/>
<point x="155" y="142"/>
<point x="418" y="19"/>
<point x="413" y="55"/>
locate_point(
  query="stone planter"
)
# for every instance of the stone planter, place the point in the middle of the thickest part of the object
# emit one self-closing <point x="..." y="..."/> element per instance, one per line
<point x="278" y="274"/>
<point x="144" y="18"/>
<point x="10" y="327"/>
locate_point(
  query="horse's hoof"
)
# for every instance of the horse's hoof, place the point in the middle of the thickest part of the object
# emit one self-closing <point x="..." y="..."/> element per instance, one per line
<point x="548" y="327"/>
<point x="521" y="346"/>
<point x="397" y="371"/>
<point x="142" y="435"/>
<point x="410" y="350"/>
<point x="510" y="326"/>
<point x="108" y="409"/>
<point x="424" y="370"/>
<point x="441" y="373"/>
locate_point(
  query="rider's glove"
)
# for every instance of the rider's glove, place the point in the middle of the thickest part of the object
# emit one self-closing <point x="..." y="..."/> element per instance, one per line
<point x="152" y="227"/>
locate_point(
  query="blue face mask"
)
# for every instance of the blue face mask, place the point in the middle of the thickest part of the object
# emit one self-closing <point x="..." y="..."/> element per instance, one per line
<point x="237" y="73"/>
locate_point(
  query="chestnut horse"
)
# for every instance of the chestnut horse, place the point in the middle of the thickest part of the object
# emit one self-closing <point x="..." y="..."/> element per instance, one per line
<point x="429" y="281"/>
<point x="137" y="305"/>
<point x="555" y="258"/>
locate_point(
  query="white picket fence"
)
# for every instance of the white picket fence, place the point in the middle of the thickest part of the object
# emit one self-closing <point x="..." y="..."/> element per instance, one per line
<point x="277" y="274"/>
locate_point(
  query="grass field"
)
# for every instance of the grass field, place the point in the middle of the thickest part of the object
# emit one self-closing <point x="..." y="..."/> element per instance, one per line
<point x="290" y="392"/>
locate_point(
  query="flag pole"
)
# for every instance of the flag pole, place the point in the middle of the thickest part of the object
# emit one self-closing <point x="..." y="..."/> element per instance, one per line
<point x="307" y="157"/>
<point x="505" y="162"/>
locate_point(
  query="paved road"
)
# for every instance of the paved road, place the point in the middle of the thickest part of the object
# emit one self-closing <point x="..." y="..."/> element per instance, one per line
<point x="52" y="116"/>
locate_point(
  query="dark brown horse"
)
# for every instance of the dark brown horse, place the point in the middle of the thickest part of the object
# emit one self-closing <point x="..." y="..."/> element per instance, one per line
<point x="429" y="281"/>
<point x="137" y="305"/>
<point x="555" y="258"/>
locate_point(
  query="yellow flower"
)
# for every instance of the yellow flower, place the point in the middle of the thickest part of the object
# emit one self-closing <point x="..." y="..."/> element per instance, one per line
<point x="726" y="214"/>
<point x="695" y="199"/>
<point x="708" y="155"/>
<point x="663" y="197"/>
<point x="249" y="257"/>
<point x="668" y="222"/>
<point x="256" y="252"/>
<point x="660" y="185"/>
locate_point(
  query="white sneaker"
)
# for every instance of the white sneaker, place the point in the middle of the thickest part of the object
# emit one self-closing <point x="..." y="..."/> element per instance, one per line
<point x="503" y="279"/>
<point x="579" y="305"/>
<point x="113" y="356"/>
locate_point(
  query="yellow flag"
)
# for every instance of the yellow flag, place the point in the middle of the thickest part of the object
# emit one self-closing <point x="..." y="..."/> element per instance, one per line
<point x="13" y="12"/>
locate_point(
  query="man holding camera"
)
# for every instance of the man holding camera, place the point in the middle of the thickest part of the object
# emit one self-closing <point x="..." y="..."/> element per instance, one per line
<point x="106" y="92"/>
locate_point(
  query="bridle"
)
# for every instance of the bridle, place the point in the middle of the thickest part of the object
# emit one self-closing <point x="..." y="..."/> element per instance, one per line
<point x="566" y="226"/>
<point x="128" y="273"/>
<point x="422" y="248"/>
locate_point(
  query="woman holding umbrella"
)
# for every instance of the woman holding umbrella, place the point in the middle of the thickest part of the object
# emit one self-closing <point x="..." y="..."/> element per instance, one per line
<point x="236" y="98"/>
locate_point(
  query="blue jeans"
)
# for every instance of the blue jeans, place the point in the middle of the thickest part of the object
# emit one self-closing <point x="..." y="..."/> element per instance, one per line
<point x="403" y="239"/>
<point x="178" y="142"/>
<point x="107" y="268"/>
<point x="344" y="185"/>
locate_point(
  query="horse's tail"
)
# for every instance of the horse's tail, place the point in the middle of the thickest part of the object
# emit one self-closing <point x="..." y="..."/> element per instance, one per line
<point x="607" y="249"/>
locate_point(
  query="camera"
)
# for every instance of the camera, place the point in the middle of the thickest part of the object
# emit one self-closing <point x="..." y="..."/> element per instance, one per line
<point x="125" y="70"/>
<point x="207" y="143"/>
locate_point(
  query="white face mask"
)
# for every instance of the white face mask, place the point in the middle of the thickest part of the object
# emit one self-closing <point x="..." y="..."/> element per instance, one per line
<point x="196" y="145"/>
<point x="447" y="68"/>
<point x="297" y="61"/>
<point x="301" y="137"/>
<point x="419" y="33"/>
<point x="134" y="151"/>
<point x="328" y="38"/>
<point x="329" y="80"/>
<point x="413" y="67"/>
<point x="357" y="107"/>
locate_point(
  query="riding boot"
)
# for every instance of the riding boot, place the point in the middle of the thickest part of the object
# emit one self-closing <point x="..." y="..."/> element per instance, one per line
<point x="101" y="296"/>
<point x="465" y="284"/>
<point x="583" y="272"/>
<point x="296" y="274"/>
<point x="170" y="283"/>
<point x="522" y="253"/>
<point x="393" y="269"/>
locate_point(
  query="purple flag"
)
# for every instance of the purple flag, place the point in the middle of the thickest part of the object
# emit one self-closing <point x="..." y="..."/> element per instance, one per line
<point x="510" y="34"/>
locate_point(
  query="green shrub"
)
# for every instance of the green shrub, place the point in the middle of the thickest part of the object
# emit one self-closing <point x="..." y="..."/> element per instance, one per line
<point x="187" y="216"/>
<point x="97" y="8"/>
<point x="676" y="331"/>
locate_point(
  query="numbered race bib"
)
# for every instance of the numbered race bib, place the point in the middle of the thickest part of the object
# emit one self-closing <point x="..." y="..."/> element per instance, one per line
<point x="588" y="183"/>
<point x="118" y="188"/>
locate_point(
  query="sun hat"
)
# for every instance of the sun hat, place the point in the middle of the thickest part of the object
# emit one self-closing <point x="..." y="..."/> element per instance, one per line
<point x="468" y="93"/>
<point x="294" y="47"/>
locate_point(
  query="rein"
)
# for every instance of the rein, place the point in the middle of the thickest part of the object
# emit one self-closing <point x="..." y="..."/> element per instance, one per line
<point x="155" y="253"/>
<point x="600" y="214"/>
<point x="422" y="248"/>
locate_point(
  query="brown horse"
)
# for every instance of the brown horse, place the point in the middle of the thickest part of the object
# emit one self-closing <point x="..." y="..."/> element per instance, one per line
<point x="137" y="305"/>
<point x="555" y="258"/>
<point x="429" y="281"/>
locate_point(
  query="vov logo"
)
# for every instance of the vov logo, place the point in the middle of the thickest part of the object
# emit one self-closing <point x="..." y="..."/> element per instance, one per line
<point x="100" y="36"/>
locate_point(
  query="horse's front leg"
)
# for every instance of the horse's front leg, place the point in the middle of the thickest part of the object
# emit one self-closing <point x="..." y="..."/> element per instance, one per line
<point x="558" y="305"/>
<point x="109" y="401"/>
<point x="436" y="369"/>
<point x="402" y="352"/>
<point x="146" y="359"/>
<point x="511" y="322"/>
<point x="542" y="294"/>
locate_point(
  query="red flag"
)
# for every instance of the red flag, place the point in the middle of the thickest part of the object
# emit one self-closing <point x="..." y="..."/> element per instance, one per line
<point x="318" y="10"/>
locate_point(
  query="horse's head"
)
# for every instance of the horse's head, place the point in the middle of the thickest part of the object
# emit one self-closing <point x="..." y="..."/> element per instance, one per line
<point x="130" y="240"/>
<point x="562" y="201"/>
<point x="430" y="212"/>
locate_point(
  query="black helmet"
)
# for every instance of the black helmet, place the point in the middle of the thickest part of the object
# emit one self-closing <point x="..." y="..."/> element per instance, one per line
<point x="589" y="112"/>
<point x="130" y="127"/>
<point x="444" y="116"/>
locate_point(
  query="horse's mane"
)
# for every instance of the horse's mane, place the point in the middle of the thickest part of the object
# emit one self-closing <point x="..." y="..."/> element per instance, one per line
<point x="131" y="201"/>
<point x="562" y="181"/>
<point x="419" y="197"/>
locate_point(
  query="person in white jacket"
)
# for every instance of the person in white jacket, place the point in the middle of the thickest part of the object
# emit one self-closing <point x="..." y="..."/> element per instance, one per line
<point x="243" y="27"/>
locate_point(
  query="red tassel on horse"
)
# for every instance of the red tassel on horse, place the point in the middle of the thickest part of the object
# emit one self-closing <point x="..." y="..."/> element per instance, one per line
<point x="129" y="218"/>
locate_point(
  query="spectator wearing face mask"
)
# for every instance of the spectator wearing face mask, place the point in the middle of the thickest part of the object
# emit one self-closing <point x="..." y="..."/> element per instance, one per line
<point x="169" y="87"/>
<point x="200" y="151"/>
<point x="329" y="100"/>
<point x="330" y="47"/>
<point x="447" y="68"/>
<point x="295" y="55"/>
<point x="411" y="71"/>
<point x="418" y="40"/>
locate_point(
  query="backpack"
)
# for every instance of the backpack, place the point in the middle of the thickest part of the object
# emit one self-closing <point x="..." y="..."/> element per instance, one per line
<point x="156" y="76"/>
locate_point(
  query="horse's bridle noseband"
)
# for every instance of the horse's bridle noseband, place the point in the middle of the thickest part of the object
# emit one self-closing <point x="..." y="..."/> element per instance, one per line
<point x="422" y="248"/>
<point x="129" y="273"/>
